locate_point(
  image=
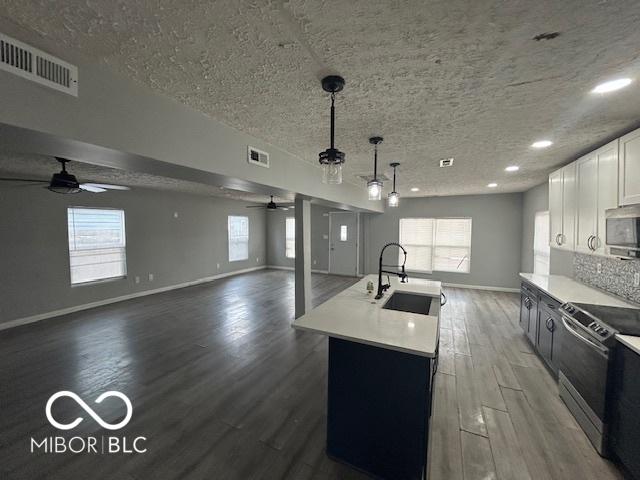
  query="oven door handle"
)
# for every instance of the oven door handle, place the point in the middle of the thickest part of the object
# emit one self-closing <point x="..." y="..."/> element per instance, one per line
<point x="572" y="330"/>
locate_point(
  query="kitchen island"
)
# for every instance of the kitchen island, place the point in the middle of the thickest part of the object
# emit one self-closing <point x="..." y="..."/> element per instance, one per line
<point x="382" y="361"/>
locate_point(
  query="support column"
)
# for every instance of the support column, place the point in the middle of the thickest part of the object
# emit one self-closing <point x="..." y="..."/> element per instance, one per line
<point x="303" y="256"/>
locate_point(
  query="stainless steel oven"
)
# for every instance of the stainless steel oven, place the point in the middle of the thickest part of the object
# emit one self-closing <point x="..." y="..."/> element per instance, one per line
<point x="583" y="364"/>
<point x="623" y="231"/>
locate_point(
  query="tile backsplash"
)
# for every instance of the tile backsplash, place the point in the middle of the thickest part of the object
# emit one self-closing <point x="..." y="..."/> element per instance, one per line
<point x="616" y="275"/>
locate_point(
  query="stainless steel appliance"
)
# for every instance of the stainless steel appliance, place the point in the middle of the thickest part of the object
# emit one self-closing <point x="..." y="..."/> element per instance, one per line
<point x="623" y="231"/>
<point x="585" y="362"/>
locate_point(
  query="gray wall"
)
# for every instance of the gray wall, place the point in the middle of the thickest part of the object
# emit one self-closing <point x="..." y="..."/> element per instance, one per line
<point x="496" y="236"/>
<point x="319" y="245"/>
<point x="34" y="255"/>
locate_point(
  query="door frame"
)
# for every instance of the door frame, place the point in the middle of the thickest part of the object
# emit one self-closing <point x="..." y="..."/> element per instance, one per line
<point x="357" y="214"/>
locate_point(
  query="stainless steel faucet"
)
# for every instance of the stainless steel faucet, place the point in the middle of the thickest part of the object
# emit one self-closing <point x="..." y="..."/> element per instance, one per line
<point x="402" y="274"/>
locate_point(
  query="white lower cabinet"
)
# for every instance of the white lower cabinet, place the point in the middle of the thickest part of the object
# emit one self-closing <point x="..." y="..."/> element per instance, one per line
<point x="596" y="191"/>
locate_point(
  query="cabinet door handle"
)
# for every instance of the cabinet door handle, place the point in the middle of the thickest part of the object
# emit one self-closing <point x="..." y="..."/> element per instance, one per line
<point x="557" y="239"/>
<point x="596" y="242"/>
<point x="550" y="324"/>
<point x="589" y="246"/>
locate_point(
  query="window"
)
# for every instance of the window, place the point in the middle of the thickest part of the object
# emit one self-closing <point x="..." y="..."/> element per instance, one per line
<point x="343" y="233"/>
<point x="436" y="244"/>
<point x="541" y="250"/>
<point x="290" y="238"/>
<point x="96" y="244"/>
<point x="238" y="230"/>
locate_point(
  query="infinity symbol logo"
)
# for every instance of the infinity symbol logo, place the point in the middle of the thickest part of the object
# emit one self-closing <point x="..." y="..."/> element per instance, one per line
<point x="89" y="410"/>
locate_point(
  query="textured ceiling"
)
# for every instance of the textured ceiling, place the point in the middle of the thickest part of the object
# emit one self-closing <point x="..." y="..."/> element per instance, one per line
<point x="453" y="78"/>
<point x="41" y="168"/>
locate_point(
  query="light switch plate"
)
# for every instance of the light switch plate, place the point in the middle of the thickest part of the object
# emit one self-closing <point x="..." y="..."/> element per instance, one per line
<point x="137" y="279"/>
<point x="151" y="277"/>
<point x="636" y="279"/>
<point x="218" y="266"/>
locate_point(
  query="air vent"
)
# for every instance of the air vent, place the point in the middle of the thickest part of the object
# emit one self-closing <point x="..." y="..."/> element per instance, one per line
<point x="446" y="162"/>
<point x="35" y="65"/>
<point x="257" y="157"/>
<point x="367" y="177"/>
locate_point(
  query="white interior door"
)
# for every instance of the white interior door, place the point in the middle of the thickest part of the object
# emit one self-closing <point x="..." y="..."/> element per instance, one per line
<point x="343" y="243"/>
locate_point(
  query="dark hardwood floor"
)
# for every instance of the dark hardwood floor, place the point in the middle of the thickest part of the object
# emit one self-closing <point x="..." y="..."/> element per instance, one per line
<point x="224" y="388"/>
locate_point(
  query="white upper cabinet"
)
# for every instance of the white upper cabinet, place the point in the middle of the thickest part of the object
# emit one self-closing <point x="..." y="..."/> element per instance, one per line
<point x="630" y="168"/>
<point x="596" y="191"/>
<point x="562" y="207"/>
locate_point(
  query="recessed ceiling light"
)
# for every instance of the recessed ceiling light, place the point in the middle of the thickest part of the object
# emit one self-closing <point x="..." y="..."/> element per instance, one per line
<point x="415" y="189"/>
<point x="612" y="86"/>
<point x="512" y="168"/>
<point x="492" y="185"/>
<point x="542" y="144"/>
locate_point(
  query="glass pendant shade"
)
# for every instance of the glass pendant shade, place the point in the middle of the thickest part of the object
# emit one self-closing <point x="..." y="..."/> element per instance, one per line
<point x="332" y="173"/>
<point x="374" y="187"/>
<point x="393" y="199"/>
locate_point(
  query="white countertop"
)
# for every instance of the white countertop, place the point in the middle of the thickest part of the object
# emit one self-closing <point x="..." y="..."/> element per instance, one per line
<point x="630" y="341"/>
<point x="564" y="289"/>
<point x="356" y="316"/>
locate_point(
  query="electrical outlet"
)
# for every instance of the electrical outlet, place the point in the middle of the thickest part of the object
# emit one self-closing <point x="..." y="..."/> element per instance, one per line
<point x="599" y="268"/>
<point x="218" y="266"/>
<point x="175" y="214"/>
<point x="315" y="262"/>
<point x="151" y="277"/>
<point x="137" y="279"/>
<point x="257" y="259"/>
<point x="636" y="279"/>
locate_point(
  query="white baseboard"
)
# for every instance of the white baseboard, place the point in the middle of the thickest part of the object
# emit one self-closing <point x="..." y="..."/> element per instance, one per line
<point x="77" y="308"/>
<point x="279" y="267"/>
<point x="481" y="287"/>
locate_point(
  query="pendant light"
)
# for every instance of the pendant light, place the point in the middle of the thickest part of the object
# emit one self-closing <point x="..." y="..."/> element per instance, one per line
<point x="393" y="198"/>
<point x="374" y="186"/>
<point x="332" y="158"/>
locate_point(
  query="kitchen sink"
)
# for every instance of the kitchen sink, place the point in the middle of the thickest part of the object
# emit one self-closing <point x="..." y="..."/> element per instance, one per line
<point x="409" y="302"/>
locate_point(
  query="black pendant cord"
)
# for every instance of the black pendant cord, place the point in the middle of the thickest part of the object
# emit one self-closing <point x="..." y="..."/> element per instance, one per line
<point x="375" y="162"/>
<point x="333" y="118"/>
<point x="394" y="179"/>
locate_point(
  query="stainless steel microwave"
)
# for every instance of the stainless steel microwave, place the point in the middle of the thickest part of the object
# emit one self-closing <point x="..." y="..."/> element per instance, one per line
<point x="623" y="231"/>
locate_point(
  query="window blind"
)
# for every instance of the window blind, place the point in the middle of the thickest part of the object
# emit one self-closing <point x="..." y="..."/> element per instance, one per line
<point x="97" y="244"/>
<point x="541" y="249"/>
<point x="436" y="244"/>
<point x="290" y="237"/>
<point x="238" y="231"/>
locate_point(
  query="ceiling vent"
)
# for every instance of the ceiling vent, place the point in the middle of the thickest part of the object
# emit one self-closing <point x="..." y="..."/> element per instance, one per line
<point x="446" y="162"/>
<point x="367" y="177"/>
<point x="257" y="157"/>
<point x="35" y="65"/>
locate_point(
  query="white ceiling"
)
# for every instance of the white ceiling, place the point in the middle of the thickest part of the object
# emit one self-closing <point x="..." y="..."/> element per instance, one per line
<point x="452" y="78"/>
<point x="40" y="167"/>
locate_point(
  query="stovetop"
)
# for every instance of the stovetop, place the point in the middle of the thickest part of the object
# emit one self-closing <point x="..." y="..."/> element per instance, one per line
<point x="624" y="320"/>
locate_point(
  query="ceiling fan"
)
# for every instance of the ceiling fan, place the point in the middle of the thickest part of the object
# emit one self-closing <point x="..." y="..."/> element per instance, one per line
<point x="270" y="206"/>
<point x="66" y="183"/>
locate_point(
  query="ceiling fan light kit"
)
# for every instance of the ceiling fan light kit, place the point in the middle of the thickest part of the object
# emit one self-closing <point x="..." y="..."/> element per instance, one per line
<point x="374" y="186"/>
<point x="332" y="159"/>
<point x="393" y="199"/>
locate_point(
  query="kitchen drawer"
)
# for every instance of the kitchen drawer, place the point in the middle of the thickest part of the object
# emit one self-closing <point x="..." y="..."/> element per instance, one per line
<point x="549" y="303"/>
<point x="529" y="289"/>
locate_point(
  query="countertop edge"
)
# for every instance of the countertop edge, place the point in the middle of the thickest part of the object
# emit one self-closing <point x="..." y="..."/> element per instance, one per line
<point x="630" y="341"/>
<point x="386" y="346"/>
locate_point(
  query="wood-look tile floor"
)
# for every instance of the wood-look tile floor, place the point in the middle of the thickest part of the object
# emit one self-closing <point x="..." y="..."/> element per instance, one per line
<point x="223" y="388"/>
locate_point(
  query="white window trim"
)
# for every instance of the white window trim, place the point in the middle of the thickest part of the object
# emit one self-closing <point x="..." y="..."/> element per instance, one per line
<point x="124" y="249"/>
<point x="286" y="239"/>
<point x="433" y="245"/>
<point x="244" y="259"/>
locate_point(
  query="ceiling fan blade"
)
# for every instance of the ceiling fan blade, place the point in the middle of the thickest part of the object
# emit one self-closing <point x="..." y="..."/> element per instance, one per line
<point x="29" y="180"/>
<point x="92" y="188"/>
<point x="106" y="186"/>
